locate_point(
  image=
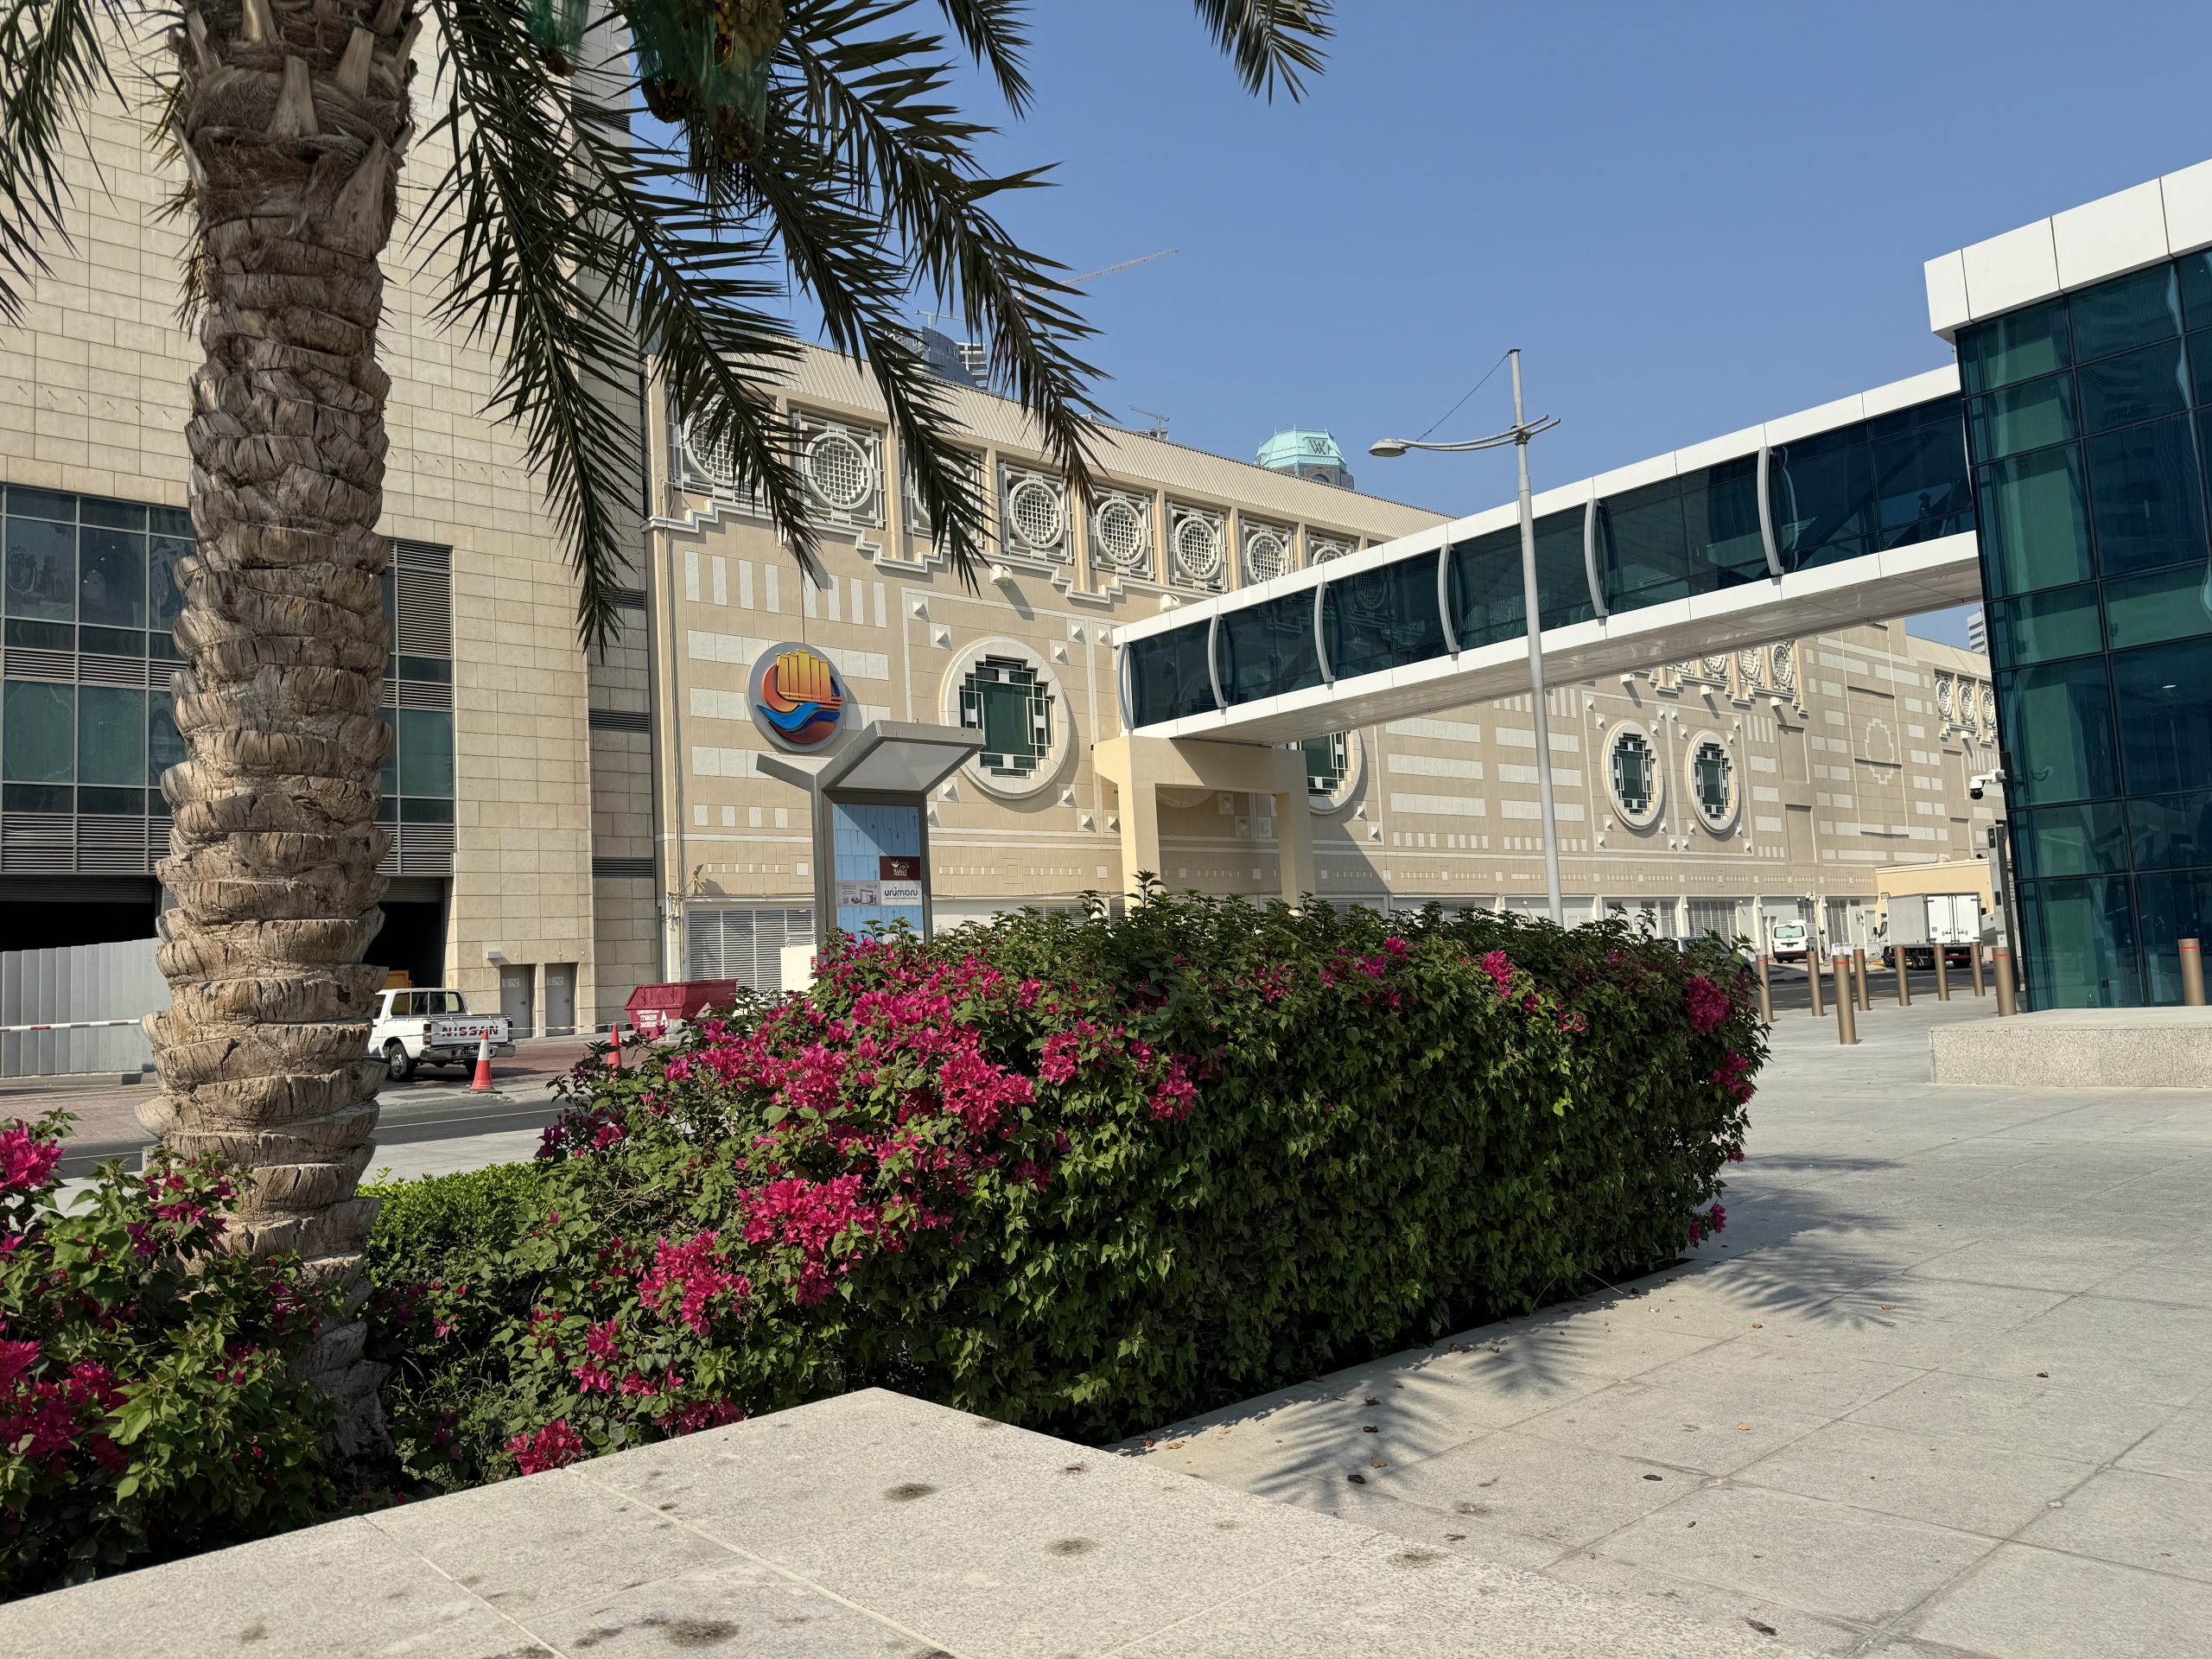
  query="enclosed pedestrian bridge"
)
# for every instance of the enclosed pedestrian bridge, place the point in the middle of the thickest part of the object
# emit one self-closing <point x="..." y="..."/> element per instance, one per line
<point x="1852" y="513"/>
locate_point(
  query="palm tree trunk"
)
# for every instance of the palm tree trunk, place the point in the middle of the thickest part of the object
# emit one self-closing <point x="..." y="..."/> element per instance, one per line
<point x="292" y="116"/>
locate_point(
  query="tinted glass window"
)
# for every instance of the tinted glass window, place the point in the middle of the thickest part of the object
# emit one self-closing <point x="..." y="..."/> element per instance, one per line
<point x="2043" y="627"/>
<point x="2088" y="839"/>
<point x="1562" y="573"/>
<point x="2166" y="735"/>
<point x="164" y="744"/>
<point x="2081" y="944"/>
<point x="2171" y="832"/>
<point x="2057" y="725"/>
<point x="41" y="573"/>
<point x="2166" y="605"/>
<point x="1920" y="476"/>
<point x="111" y="578"/>
<point x="2145" y="499"/>
<point x="1383" y="619"/>
<point x="2018" y="346"/>
<point x="2128" y="311"/>
<point x="2035" y="522"/>
<point x="1646" y="547"/>
<point x="2134" y="386"/>
<point x="425" y="751"/>
<point x="1823" y="500"/>
<point x="110" y="735"/>
<point x="1721" y="516"/>
<point x="2023" y="418"/>
<point x="1488" y="601"/>
<point x="38" y="733"/>
<point x="1168" y="677"/>
<point x="2171" y="908"/>
<point x="1268" y="649"/>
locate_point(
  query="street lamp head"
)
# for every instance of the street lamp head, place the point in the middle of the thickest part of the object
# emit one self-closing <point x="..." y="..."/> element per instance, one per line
<point x="1387" y="447"/>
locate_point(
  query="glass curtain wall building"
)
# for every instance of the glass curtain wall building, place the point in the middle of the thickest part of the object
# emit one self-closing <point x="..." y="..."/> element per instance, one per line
<point x="87" y="602"/>
<point x="2089" y="418"/>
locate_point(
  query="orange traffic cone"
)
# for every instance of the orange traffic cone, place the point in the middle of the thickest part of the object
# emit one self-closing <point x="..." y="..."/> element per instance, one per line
<point x="614" y="1054"/>
<point x="483" y="1083"/>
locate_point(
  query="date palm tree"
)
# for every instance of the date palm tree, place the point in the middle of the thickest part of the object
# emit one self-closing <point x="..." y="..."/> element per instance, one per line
<point x="814" y="142"/>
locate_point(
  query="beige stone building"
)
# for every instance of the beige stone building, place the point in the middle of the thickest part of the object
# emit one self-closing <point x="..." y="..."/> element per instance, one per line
<point x="491" y="786"/>
<point x="569" y="827"/>
<point x="1768" y="783"/>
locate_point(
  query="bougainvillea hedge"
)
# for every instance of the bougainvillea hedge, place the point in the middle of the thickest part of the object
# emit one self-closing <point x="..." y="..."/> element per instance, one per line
<point x="147" y="1404"/>
<point x="1081" y="1172"/>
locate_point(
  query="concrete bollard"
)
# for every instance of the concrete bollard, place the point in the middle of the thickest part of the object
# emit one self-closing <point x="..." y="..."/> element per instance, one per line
<point x="1859" y="976"/>
<point x="1812" y="978"/>
<point x="2003" y="965"/>
<point x="1904" y="975"/>
<point x="1974" y="955"/>
<point x="1847" y="1018"/>
<point x="1766" y="995"/>
<point x="2192" y="973"/>
<point x="1942" y="975"/>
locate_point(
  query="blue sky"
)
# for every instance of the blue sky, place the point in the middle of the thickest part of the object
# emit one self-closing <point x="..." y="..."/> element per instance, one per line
<point x="1690" y="217"/>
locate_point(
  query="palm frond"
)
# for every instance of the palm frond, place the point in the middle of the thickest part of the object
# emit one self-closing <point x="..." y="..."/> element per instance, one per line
<point x="1270" y="41"/>
<point x="565" y="247"/>
<point x="902" y="161"/>
<point x="994" y="35"/>
<point x="52" y="60"/>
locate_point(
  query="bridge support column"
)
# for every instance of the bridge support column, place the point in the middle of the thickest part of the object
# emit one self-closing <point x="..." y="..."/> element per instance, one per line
<point x="1140" y="767"/>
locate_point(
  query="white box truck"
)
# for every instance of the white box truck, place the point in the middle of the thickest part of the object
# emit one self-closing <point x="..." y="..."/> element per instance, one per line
<point x="1920" y="923"/>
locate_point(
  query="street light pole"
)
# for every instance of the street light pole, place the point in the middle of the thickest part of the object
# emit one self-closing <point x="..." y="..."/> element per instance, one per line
<point x="1518" y="435"/>
<point x="1537" y="695"/>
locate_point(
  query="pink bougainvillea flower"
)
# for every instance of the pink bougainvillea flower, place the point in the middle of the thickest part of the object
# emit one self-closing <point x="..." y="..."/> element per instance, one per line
<point x="554" y="1446"/>
<point x="26" y="1161"/>
<point x="1708" y="1003"/>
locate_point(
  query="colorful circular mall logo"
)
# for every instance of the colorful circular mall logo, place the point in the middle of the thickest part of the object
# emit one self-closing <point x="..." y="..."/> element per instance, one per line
<point x="797" y="697"/>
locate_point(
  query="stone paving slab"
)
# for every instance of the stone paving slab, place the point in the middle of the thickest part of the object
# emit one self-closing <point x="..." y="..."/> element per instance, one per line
<point x="869" y="1525"/>
<point x="1941" y="1390"/>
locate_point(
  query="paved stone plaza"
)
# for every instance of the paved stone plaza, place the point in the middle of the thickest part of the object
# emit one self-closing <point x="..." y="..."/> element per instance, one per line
<point x="1946" y="1390"/>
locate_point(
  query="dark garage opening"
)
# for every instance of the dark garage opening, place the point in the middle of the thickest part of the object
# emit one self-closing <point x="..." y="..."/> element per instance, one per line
<point x="413" y="938"/>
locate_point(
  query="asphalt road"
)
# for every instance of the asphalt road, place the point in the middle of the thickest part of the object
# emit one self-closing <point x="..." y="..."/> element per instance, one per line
<point x="433" y="1105"/>
<point x="1790" y="994"/>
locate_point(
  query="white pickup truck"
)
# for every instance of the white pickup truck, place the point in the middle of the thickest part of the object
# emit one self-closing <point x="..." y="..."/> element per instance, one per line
<point x="429" y="1027"/>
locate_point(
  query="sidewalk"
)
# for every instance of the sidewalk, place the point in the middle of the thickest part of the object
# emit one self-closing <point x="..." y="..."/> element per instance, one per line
<point x="1943" y="1388"/>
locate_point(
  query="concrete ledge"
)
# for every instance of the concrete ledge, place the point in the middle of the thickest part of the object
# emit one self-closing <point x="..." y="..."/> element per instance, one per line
<point x="871" y="1524"/>
<point x="2079" y="1048"/>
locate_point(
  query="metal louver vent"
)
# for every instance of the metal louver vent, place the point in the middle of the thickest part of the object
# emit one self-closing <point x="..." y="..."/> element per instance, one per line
<point x="744" y="943"/>
<point x="34" y="841"/>
<point x="622" y="869"/>
<point x="619" y="720"/>
<point x="111" y="843"/>
<point x="423" y="626"/>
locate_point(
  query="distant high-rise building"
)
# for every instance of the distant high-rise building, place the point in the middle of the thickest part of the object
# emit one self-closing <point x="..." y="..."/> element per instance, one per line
<point x="1978" y="631"/>
<point x="1307" y="454"/>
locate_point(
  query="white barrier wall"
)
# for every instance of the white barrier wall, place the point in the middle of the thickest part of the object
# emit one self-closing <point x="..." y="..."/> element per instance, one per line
<point x="75" y="983"/>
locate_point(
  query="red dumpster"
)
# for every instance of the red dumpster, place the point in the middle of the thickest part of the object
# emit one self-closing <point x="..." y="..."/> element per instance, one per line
<point x="653" y="1009"/>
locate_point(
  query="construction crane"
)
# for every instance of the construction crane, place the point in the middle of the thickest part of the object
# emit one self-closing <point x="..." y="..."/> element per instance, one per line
<point x="1107" y="271"/>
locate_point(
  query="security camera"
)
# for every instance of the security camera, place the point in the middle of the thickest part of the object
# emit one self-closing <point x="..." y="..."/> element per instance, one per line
<point x="1986" y="780"/>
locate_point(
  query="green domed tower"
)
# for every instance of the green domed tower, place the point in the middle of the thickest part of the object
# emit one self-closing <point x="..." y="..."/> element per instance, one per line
<point x="1307" y="454"/>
